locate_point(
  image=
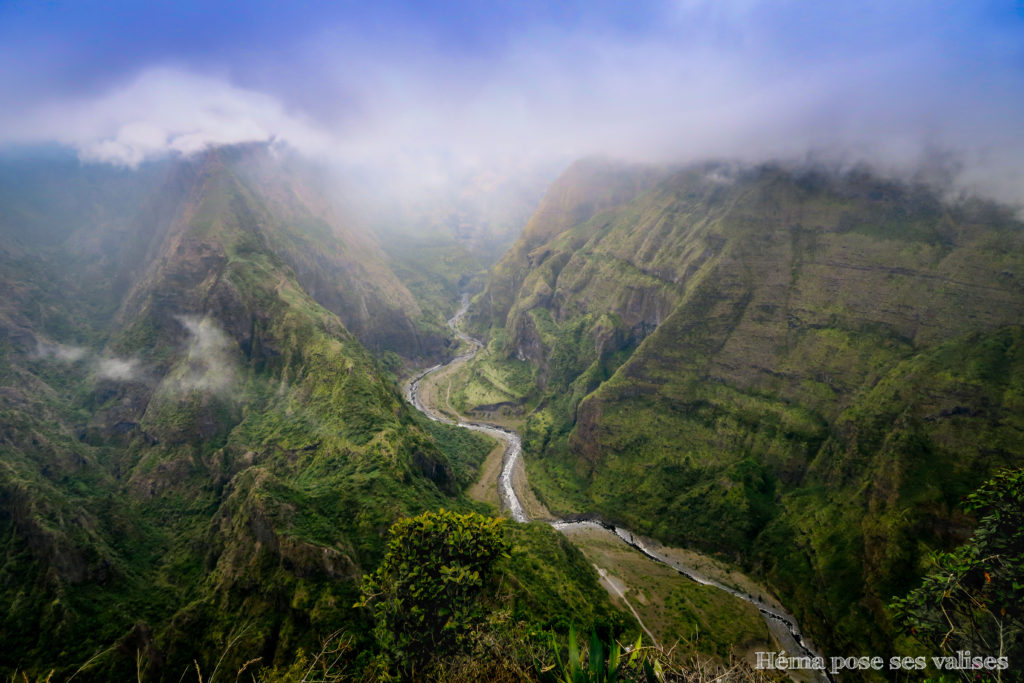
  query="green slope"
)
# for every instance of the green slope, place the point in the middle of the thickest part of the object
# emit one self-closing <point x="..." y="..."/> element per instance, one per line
<point x="208" y="468"/>
<point x="800" y="370"/>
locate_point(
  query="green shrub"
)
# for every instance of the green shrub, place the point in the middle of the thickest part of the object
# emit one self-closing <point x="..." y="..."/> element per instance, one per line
<point x="974" y="600"/>
<point x="423" y="596"/>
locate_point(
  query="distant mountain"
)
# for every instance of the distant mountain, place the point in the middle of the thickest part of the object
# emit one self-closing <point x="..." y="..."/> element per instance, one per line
<point x="335" y="256"/>
<point x="482" y="210"/>
<point x="583" y="190"/>
<point x="802" y="370"/>
<point x="188" y="457"/>
<point x="118" y="221"/>
<point x="199" y="458"/>
<point x="442" y="241"/>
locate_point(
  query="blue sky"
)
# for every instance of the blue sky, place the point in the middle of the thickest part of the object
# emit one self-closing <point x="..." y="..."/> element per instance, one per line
<point x="424" y="84"/>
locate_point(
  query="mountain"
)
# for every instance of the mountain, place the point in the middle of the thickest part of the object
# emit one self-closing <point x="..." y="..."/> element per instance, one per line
<point x="199" y="458"/>
<point x="802" y="370"/>
<point x="586" y="188"/>
<point x="334" y="255"/>
<point x="483" y="210"/>
<point x="202" y="448"/>
<point x="110" y="222"/>
<point x="441" y="239"/>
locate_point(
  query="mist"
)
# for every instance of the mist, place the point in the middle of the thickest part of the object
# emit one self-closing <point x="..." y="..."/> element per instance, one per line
<point x="117" y="369"/>
<point x="208" y="366"/>
<point x="421" y="100"/>
<point x="64" y="353"/>
<point x="103" y="366"/>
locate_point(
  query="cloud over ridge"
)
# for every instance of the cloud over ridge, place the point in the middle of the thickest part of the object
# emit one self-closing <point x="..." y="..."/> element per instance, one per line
<point x="676" y="81"/>
<point x="209" y="366"/>
<point x="164" y="111"/>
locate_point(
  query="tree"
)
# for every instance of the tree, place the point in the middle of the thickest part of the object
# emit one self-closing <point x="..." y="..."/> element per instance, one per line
<point x="423" y="596"/>
<point x="974" y="600"/>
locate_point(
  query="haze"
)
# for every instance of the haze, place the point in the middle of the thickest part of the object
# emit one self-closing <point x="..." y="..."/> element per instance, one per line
<point x="424" y="94"/>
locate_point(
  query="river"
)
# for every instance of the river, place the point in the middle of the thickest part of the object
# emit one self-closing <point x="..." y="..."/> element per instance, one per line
<point x="779" y="621"/>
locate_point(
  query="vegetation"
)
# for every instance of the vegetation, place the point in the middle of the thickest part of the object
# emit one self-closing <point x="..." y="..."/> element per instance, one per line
<point x="599" y="661"/>
<point x="423" y="596"/>
<point x="973" y="598"/>
<point x="200" y="461"/>
<point x="711" y="366"/>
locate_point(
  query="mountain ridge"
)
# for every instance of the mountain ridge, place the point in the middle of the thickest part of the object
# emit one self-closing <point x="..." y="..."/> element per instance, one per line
<point x="711" y="354"/>
<point x="208" y="468"/>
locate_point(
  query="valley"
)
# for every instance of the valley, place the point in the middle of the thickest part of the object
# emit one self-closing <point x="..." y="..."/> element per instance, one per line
<point x="198" y="460"/>
<point x="604" y="544"/>
<point x="733" y="409"/>
<point x="666" y="341"/>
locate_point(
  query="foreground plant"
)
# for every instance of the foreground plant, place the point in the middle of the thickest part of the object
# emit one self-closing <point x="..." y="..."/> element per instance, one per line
<point x="423" y="596"/>
<point x="608" y="662"/>
<point x="599" y="668"/>
<point x="974" y="599"/>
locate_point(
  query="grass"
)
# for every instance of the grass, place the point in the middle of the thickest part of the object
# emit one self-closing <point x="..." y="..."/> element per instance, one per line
<point x="675" y="609"/>
<point x="488" y="380"/>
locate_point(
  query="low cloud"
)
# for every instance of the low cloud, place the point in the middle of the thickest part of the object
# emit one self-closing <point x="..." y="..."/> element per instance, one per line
<point x="209" y="365"/>
<point x="747" y="80"/>
<point x="163" y="111"/>
<point x="103" y="366"/>
<point x="61" y="352"/>
<point x="117" y="369"/>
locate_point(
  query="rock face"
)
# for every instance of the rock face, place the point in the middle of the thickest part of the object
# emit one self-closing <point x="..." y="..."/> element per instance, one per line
<point x="800" y="369"/>
<point x="335" y="259"/>
<point x="190" y="440"/>
<point x="584" y="190"/>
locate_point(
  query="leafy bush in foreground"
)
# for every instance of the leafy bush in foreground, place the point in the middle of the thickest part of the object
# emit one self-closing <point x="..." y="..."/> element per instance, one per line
<point x="974" y="600"/>
<point x="423" y="596"/>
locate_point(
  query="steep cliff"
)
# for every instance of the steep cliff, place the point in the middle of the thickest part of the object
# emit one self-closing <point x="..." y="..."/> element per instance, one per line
<point x="193" y="448"/>
<point x="585" y="189"/>
<point x="803" y="370"/>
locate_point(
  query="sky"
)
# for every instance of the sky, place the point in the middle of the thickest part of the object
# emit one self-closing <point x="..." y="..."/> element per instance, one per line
<point x="426" y="87"/>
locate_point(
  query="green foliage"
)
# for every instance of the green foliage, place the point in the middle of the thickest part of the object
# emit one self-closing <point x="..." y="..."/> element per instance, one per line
<point x="974" y="598"/>
<point x="604" y="662"/>
<point x="550" y="583"/>
<point x="329" y="665"/>
<point x="463" y="448"/>
<point x="596" y="669"/>
<point x="423" y="596"/>
<point x="702" y="377"/>
<point x="490" y="379"/>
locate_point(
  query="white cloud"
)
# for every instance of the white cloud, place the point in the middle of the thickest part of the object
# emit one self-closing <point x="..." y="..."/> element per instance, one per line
<point x="748" y="80"/>
<point x="117" y="369"/>
<point x="103" y="366"/>
<point x="209" y="366"/>
<point x="161" y="111"/>
<point x="61" y="352"/>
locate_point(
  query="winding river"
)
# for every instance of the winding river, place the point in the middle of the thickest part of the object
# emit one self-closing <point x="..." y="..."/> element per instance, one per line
<point x="781" y="624"/>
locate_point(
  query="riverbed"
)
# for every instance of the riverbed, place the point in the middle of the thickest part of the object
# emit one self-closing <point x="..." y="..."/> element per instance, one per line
<point x="513" y="491"/>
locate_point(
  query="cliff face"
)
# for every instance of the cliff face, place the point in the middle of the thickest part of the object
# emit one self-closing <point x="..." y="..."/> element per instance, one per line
<point x="335" y="258"/>
<point x="799" y="369"/>
<point x="587" y="188"/>
<point x="190" y="441"/>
